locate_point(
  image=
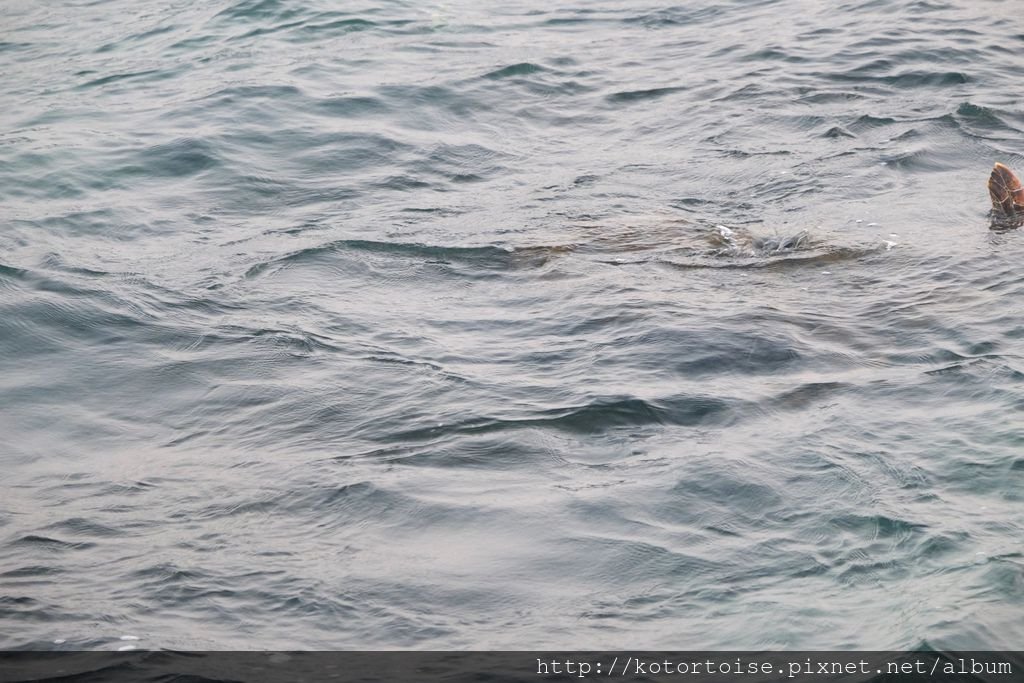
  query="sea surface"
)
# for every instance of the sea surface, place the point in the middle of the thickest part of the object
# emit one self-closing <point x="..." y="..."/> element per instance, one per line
<point x="447" y="324"/>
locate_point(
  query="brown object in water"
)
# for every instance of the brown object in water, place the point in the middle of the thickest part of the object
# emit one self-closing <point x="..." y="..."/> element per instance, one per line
<point x="1006" y="191"/>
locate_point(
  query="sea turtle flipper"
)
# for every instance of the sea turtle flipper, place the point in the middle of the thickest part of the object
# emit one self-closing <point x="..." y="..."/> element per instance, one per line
<point x="1006" y="191"/>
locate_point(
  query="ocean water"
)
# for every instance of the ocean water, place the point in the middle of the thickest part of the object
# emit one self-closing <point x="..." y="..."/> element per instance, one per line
<point x="447" y="324"/>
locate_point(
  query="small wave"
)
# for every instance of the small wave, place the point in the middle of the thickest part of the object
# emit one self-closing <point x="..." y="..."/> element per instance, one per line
<point x="350" y="107"/>
<point x="114" y="78"/>
<point x="341" y="26"/>
<point x="924" y="160"/>
<point x="8" y="46"/>
<point x="484" y="258"/>
<point x="836" y="133"/>
<point x="52" y="544"/>
<point x="258" y="10"/>
<point x="982" y="122"/>
<point x="80" y="526"/>
<point x="868" y="122"/>
<point x="33" y="571"/>
<point x="629" y="96"/>
<point x="12" y="273"/>
<point x="903" y="81"/>
<point x="136" y="38"/>
<point x="597" y="416"/>
<point x="521" y="69"/>
<point x="176" y="159"/>
<point x="773" y="54"/>
<point x="676" y="16"/>
<point x="809" y="394"/>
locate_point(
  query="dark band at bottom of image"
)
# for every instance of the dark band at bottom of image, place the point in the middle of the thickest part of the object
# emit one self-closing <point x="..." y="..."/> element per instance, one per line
<point x="538" y="667"/>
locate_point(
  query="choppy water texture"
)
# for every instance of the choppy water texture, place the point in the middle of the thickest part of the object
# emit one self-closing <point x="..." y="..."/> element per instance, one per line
<point x="412" y="324"/>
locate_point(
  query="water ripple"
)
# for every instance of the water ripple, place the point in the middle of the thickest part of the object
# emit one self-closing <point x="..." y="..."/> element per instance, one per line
<point x="443" y="325"/>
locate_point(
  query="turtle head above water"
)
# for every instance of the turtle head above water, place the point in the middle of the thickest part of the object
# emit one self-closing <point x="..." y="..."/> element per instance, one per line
<point x="1007" y="193"/>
